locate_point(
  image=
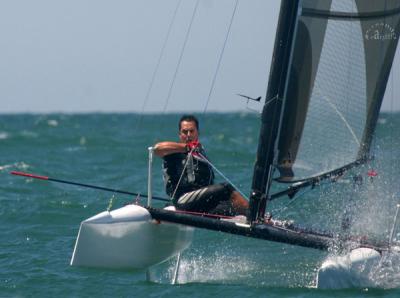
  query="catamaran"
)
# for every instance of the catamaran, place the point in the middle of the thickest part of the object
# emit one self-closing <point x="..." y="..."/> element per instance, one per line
<point x="328" y="77"/>
<point x="330" y="68"/>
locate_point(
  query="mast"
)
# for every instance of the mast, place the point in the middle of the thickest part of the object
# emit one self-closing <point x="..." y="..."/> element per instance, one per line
<point x="270" y="117"/>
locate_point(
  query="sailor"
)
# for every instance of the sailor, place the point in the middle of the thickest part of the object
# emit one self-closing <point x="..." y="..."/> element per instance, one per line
<point x="189" y="177"/>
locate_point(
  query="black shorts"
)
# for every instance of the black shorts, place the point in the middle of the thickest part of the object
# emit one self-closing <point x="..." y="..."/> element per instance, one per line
<point x="205" y="199"/>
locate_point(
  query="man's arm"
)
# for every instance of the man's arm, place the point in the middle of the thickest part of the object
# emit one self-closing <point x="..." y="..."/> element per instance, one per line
<point x="165" y="148"/>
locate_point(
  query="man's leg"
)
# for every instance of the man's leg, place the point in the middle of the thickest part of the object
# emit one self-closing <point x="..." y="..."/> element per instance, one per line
<point x="216" y="199"/>
<point x="239" y="204"/>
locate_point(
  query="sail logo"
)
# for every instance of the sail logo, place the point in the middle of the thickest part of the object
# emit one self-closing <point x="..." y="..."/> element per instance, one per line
<point x="380" y="31"/>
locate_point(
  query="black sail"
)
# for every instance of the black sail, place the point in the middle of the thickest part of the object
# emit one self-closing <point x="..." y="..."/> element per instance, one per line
<point x="339" y="60"/>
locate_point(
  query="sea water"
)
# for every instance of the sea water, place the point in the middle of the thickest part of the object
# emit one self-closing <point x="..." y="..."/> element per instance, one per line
<point x="39" y="220"/>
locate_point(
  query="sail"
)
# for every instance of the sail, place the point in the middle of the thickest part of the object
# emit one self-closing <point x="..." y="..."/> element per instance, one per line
<point x="339" y="64"/>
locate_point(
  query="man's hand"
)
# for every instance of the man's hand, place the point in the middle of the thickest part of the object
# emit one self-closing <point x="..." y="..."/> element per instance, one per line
<point x="193" y="146"/>
<point x="162" y="149"/>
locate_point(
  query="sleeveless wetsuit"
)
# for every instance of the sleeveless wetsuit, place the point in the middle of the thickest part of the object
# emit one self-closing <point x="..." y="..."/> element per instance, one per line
<point x="195" y="191"/>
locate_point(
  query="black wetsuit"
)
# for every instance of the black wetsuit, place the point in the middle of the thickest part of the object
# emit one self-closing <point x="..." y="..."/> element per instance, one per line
<point x="195" y="191"/>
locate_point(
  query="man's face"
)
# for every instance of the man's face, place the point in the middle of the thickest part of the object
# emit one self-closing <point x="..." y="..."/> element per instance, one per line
<point x="188" y="132"/>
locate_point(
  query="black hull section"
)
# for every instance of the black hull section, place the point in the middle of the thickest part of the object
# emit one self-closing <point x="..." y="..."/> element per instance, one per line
<point x="260" y="231"/>
<point x="289" y="235"/>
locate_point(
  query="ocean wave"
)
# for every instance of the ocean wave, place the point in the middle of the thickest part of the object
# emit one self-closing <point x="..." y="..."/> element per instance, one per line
<point x="18" y="165"/>
<point x="52" y="122"/>
<point x="29" y="134"/>
<point x="44" y="119"/>
<point x="4" y="135"/>
<point x="23" y="133"/>
<point x="75" y="149"/>
<point x="382" y="120"/>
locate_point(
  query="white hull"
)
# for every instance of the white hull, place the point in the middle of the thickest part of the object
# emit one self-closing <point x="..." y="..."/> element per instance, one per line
<point x="128" y="238"/>
<point x="354" y="270"/>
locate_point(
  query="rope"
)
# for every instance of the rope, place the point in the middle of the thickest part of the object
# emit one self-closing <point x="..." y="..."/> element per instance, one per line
<point x="158" y="64"/>
<point x="183" y="171"/>
<point x="222" y="175"/>
<point x="220" y="57"/>
<point x="219" y="216"/>
<point x="213" y="166"/>
<point x="340" y="114"/>
<point x="180" y="57"/>
<point x="285" y="207"/>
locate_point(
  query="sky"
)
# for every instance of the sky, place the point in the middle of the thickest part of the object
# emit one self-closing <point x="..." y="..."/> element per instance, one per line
<point x="101" y="55"/>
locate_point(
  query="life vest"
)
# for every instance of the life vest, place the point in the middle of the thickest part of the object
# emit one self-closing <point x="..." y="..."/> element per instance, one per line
<point x="197" y="173"/>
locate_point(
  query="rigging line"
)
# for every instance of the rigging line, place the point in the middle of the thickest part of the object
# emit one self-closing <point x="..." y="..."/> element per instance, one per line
<point x="180" y="57"/>
<point x="268" y="101"/>
<point x="183" y="171"/>
<point x="222" y="175"/>
<point x="341" y="116"/>
<point x="220" y="57"/>
<point x="190" y="155"/>
<point x="150" y="88"/>
<point x="298" y="195"/>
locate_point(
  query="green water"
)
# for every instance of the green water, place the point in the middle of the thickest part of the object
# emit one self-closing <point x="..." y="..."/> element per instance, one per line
<point x="39" y="220"/>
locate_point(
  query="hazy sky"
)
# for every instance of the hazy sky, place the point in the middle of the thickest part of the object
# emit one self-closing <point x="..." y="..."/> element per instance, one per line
<point x="98" y="55"/>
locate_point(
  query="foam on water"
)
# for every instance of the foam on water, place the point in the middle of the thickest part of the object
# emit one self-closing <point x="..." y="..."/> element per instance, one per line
<point x="4" y="135"/>
<point x="218" y="268"/>
<point x="387" y="274"/>
<point x="52" y="122"/>
<point x="29" y="134"/>
<point x="18" y="165"/>
<point x="205" y="269"/>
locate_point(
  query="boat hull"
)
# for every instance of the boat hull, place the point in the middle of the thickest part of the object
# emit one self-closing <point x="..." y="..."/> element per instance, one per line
<point x="354" y="270"/>
<point x="128" y="238"/>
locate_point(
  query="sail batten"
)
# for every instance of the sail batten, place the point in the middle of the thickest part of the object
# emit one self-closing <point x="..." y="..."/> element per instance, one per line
<point x="349" y="16"/>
